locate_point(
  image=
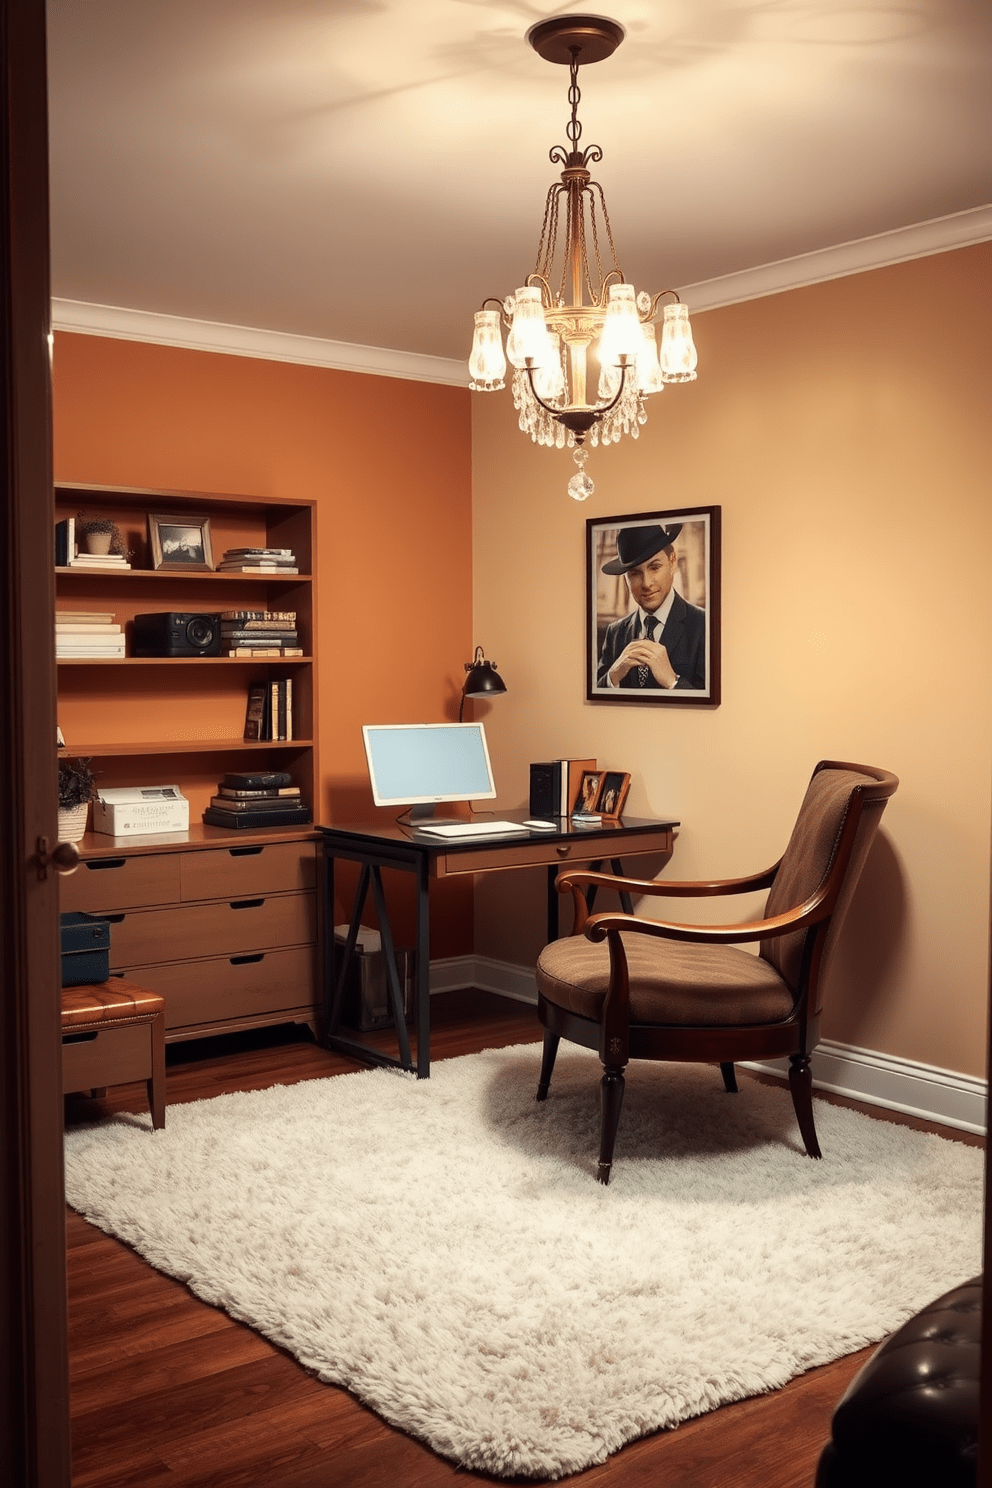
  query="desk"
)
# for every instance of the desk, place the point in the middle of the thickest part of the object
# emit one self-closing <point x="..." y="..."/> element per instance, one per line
<point x="375" y="846"/>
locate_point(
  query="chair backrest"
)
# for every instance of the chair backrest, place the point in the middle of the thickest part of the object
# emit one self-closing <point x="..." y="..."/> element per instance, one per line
<point x="839" y="796"/>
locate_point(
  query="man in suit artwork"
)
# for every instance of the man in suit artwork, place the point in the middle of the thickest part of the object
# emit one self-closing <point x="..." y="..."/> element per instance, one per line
<point x="662" y="643"/>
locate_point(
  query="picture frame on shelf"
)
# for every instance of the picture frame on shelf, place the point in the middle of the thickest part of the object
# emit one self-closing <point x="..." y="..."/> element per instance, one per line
<point x="180" y="544"/>
<point x="589" y="790"/>
<point x="612" y="794"/>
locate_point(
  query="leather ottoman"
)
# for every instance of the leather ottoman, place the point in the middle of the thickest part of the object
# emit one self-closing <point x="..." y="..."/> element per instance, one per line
<point x="910" y="1416"/>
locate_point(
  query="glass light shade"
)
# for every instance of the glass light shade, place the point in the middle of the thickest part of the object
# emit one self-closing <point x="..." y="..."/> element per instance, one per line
<point x="649" y="379"/>
<point x="549" y="380"/>
<point x="622" y="331"/>
<point x="678" y="354"/>
<point x="528" y="338"/>
<point x="609" y="382"/>
<point x="487" y="364"/>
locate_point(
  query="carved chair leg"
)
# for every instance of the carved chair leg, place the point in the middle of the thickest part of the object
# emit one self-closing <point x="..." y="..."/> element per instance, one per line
<point x="801" y="1085"/>
<point x="611" y="1099"/>
<point x="551" y="1042"/>
<point x="729" y="1079"/>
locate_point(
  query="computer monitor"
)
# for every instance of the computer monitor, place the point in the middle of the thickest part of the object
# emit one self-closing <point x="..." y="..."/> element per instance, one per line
<point x="420" y="764"/>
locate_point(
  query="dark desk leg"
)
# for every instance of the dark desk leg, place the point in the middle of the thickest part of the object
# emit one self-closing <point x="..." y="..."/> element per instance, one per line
<point x="422" y="973"/>
<point x="332" y="1014"/>
<point x="625" y="901"/>
<point x="392" y="971"/>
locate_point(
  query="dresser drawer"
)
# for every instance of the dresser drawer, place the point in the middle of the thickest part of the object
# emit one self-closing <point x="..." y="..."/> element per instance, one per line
<point x="221" y="929"/>
<point x="249" y="986"/>
<point x="121" y="883"/>
<point x="234" y="872"/>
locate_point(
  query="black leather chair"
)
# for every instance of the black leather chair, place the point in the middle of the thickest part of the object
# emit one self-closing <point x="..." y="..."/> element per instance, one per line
<point x="909" y="1418"/>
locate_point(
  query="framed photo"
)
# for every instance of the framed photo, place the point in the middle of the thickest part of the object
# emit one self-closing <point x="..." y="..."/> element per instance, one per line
<point x="180" y="543"/>
<point x="612" y="793"/>
<point x="653" y="607"/>
<point x="588" y="793"/>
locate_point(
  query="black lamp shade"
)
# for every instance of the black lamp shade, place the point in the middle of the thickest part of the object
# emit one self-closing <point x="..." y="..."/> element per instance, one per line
<point x="482" y="679"/>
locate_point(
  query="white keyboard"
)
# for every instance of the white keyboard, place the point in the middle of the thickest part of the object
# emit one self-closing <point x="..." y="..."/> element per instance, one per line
<point x="471" y="829"/>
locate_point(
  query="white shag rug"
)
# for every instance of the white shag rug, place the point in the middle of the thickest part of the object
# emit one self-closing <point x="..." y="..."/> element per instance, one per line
<point x="442" y="1247"/>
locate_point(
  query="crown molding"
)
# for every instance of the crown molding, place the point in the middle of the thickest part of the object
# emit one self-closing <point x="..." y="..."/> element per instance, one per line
<point x="921" y="240"/>
<point x="941" y="235"/>
<point x="232" y="340"/>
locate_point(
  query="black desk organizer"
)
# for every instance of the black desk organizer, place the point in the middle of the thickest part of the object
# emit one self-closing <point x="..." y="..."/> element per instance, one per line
<point x="85" y="942"/>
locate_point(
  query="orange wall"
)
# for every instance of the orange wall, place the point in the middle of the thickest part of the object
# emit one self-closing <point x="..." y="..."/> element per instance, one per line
<point x="387" y="461"/>
<point x="844" y="429"/>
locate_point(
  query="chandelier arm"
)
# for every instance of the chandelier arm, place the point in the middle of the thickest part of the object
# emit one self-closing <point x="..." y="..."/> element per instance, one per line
<point x="659" y="297"/>
<point x="598" y="411"/>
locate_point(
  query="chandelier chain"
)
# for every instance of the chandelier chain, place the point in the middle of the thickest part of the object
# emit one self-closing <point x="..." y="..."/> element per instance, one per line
<point x="574" y="129"/>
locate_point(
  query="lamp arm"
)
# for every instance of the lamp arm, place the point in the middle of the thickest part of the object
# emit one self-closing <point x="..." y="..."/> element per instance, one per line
<point x="594" y="413"/>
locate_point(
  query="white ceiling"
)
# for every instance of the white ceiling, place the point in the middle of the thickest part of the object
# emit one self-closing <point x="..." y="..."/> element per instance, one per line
<point x="368" y="170"/>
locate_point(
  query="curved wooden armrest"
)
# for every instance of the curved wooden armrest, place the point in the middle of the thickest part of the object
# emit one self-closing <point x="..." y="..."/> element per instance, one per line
<point x="578" y="881"/>
<point x="663" y="886"/>
<point x="817" y="908"/>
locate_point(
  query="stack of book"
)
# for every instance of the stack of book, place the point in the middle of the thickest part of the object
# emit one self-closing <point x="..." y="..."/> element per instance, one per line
<point x="259" y="633"/>
<point x="272" y="561"/>
<point x="87" y="634"/>
<point x="269" y="714"/>
<point x="67" y="557"/>
<point x="261" y="798"/>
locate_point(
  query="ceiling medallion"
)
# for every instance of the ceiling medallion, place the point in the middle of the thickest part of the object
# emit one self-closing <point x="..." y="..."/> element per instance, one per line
<point x="572" y="321"/>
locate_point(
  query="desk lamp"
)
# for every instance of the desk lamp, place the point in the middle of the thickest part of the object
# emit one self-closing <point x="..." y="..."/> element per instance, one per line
<point x="483" y="680"/>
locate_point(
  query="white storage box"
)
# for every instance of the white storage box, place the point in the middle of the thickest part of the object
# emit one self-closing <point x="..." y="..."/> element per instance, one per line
<point x="131" y="811"/>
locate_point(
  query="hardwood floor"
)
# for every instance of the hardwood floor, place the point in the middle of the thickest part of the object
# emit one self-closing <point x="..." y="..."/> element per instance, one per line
<point x="169" y="1392"/>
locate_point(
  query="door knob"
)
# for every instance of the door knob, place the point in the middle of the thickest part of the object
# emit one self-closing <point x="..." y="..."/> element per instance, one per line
<point x="64" y="857"/>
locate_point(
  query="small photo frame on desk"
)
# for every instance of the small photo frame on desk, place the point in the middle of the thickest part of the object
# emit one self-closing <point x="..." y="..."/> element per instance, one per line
<point x="588" y="791"/>
<point x="181" y="544"/>
<point x="612" y="794"/>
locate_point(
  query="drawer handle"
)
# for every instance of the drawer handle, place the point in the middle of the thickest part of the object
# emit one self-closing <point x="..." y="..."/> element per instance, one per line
<point x="246" y="960"/>
<point x="245" y="852"/>
<point x="246" y="903"/>
<point x="115" y="919"/>
<point x="563" y="849"/>
<point x="99" y="864"/>
<point x="78" y="1038"/>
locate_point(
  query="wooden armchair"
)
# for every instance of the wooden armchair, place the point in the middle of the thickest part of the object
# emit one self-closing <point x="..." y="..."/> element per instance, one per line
<point x="668" y="991"/>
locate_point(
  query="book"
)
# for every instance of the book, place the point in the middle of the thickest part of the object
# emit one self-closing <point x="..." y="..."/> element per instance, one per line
<point x="82" y="627"/>
<point x="256" y="779"/>
<point x="256" y="568"/>
<point x="275" y="615"/>
<point x="258" y="553"/>
<point x="289" y="816"/>
<point x="255" y="713"/>
<point x="279" y="791"/>
<point x="265" y="651"/>
<point x="98" y="560"/>
<point x="257" y="803"/>
<point x="572" y="771"/>
<point x="281" y="637"/>
<point x="65" y="541"/>
<point x="256" y="627"/>
<point x="84" y="617"/>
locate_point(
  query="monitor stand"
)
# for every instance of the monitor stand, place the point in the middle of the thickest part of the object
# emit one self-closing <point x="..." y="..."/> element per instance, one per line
<point x="417" y="816"/>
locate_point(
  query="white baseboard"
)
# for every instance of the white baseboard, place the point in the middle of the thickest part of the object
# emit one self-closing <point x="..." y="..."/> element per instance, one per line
<point x="885" y="1080"/>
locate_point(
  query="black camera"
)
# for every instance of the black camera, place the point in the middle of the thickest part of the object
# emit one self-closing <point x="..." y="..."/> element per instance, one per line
<point x="172" y="634"/>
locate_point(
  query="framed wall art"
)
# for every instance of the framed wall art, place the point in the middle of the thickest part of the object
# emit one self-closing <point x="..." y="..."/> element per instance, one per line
<point x="180" y="543"/>
<point x="653" y="607"/>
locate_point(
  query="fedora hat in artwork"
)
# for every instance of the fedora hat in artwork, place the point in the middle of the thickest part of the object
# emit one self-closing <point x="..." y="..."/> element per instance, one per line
<point x="637" y="544"/>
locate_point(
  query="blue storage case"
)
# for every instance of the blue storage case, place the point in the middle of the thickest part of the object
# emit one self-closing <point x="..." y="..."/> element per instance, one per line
<point x="85" y="942"/>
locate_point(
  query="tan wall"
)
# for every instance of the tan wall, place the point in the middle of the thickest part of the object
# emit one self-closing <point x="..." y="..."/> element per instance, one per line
<point x="844" y="431"/>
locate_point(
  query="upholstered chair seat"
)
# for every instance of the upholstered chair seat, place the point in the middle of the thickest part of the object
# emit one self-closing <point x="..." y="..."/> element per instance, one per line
<point x="633" y="987"/>
<point x="671" y="984"/>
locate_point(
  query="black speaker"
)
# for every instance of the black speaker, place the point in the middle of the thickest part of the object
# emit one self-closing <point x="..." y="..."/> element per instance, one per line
<point x="543" y="802"/>
<point x="174" y="634"/>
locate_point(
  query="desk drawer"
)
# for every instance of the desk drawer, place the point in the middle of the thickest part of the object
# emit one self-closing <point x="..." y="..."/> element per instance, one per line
<point x="221" y="929"/>
<point x="121" y="883"/>
<point x="535" y="853"/>
<point x="106" y="1056"/>
<point x="236" y="872"/>
<point x="198" y="993"/>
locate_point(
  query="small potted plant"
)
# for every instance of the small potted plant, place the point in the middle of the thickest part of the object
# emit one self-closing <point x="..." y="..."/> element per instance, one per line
<point x="101" y="535"/>
<point x="77" y="788"/>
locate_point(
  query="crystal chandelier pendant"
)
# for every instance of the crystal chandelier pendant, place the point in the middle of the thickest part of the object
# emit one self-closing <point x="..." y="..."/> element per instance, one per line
<point x="581" y="485"/>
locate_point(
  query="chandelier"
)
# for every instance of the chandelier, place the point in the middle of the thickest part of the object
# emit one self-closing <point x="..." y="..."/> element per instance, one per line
<point x="576" y="321"/>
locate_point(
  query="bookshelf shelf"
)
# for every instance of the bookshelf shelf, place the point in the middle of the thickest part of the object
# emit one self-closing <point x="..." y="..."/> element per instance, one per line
<point x="185" y="661"/>
<point x="111" y="749"/>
